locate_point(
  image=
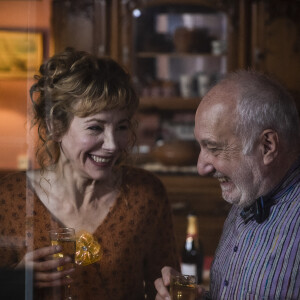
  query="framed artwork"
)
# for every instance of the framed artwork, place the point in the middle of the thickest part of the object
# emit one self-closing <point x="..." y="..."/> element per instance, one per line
<point x="21" y="52"/>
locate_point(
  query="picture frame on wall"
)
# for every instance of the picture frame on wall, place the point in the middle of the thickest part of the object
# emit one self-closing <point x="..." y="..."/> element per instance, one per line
<point x="21" y="52"/>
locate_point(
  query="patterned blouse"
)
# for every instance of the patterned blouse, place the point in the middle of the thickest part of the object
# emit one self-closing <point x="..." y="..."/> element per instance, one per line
<point x="136" y="237"/>
<point x="262" y="261"/>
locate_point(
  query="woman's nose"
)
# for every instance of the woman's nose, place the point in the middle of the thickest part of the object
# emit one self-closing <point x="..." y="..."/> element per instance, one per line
<point x="109" y="142"/>
<point x="204" y="165"/>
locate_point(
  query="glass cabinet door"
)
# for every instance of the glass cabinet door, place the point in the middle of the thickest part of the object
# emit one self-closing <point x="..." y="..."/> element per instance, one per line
<point x="178" y="50"/>
<point x="175" y="53"/>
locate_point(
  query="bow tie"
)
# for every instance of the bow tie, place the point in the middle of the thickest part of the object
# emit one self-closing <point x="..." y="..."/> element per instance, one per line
<point x="259" y="210"/>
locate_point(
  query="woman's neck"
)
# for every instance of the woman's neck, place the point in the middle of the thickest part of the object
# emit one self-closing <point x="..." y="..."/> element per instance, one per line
<point x="78" y="189"/>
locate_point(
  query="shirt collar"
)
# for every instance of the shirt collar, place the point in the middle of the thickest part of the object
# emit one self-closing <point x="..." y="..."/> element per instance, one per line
<point x="260" y="209"/>
<point x="287" y="182"/>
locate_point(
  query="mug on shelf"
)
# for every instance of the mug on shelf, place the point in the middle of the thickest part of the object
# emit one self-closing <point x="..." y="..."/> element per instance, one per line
<point x="203" y="84"/>
<point x="218" y="47"/>
<point x="186" y="86"/>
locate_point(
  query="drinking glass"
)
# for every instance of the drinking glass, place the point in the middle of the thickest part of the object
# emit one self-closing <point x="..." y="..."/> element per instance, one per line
<point x="65" y="237"/>
<point x="183" y="287"/>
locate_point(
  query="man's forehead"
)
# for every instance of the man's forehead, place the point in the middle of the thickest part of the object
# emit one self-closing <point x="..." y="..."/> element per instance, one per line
<point x="213" y="112"/>
<point x="215" y="120"/>
<point x="225" y="92"/>
<point x="220" y="101"/>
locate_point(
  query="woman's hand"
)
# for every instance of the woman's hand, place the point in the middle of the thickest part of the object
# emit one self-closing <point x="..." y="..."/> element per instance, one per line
<point x="44" y="267"/>
<point x="161" y="284"/>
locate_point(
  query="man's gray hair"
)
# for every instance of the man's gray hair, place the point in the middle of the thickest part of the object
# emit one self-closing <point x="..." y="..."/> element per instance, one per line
<point x="263" y="104"/>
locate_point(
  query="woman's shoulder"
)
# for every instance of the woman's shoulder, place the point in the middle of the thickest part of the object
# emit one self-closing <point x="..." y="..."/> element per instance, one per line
<point x="144" y="183"/>
<point x="137" y="175"/>
<point x="12" y="188"/>
<point x="11" y="179"/>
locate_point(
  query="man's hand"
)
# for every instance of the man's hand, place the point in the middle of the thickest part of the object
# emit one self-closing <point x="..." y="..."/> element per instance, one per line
<point x="162" y="284"/>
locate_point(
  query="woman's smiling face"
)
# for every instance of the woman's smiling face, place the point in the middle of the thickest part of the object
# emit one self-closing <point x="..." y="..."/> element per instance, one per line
<point x="93" y="144"/>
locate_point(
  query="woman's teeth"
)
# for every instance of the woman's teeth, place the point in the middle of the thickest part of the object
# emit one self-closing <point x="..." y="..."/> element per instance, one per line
<point x="99" y="159"/>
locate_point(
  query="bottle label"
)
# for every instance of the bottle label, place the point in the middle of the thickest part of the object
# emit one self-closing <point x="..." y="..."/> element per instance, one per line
<point x="189" y="269"/>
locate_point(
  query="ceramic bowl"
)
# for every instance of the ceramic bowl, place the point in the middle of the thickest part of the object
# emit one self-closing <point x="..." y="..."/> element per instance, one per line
<point x="177" y="153"/>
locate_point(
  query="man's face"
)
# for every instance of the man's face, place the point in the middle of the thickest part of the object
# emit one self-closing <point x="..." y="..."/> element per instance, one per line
<point x="221" y="154"/>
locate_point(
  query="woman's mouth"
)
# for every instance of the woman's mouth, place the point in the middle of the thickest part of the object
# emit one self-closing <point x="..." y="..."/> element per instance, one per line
<point x="100" y="160"/>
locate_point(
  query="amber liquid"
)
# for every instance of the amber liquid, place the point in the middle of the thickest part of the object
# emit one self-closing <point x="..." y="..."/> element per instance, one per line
<point x="68" y="249"/>
<point x="183" y="292"/>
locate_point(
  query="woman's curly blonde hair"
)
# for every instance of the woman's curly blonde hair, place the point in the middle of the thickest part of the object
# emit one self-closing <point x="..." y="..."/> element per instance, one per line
<point x="76" y="83"/>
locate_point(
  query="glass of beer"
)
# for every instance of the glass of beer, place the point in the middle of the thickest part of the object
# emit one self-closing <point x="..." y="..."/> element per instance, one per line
<point x="65" y="237"/>
<point x="183" y="287"/>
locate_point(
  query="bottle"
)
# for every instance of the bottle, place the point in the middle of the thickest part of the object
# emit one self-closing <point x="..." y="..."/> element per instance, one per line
<point x="192" y="252"/>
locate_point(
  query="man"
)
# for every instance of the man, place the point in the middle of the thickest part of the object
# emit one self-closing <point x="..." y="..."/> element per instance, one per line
<point x="248" y="130"/>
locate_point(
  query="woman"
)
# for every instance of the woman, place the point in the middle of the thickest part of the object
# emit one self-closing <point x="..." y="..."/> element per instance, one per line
<point x="84" y="108"/>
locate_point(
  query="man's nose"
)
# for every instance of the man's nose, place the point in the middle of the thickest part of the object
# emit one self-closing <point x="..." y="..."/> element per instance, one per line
<point x="204" y="165"/>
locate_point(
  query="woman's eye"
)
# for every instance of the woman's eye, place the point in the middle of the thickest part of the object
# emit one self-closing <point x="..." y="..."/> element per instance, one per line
<point x="95" y="128"/>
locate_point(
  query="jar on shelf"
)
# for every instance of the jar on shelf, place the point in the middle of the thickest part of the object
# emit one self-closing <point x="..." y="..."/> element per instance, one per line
<point x="183" y="39"/>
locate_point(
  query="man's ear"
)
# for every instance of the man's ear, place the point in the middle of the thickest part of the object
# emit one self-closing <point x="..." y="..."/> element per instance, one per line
<point x="269" y="144"/>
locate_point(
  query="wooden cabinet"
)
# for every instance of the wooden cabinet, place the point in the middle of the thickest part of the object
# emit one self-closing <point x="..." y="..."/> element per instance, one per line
<point x="181" y="55"/>
<point x="168" y="46"/>
<point x="275" y="41"/>
<point x="261" y="34"/>
<point x="82" y="24"/>
<point x="174" y="50"/>
<point x="157" y="41"/>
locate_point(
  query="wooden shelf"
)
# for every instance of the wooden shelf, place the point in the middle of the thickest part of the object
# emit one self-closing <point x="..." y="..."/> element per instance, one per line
<point x="172" y="103"/>
<point x="212" y="4"/>
<point x="177" y="55"/>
